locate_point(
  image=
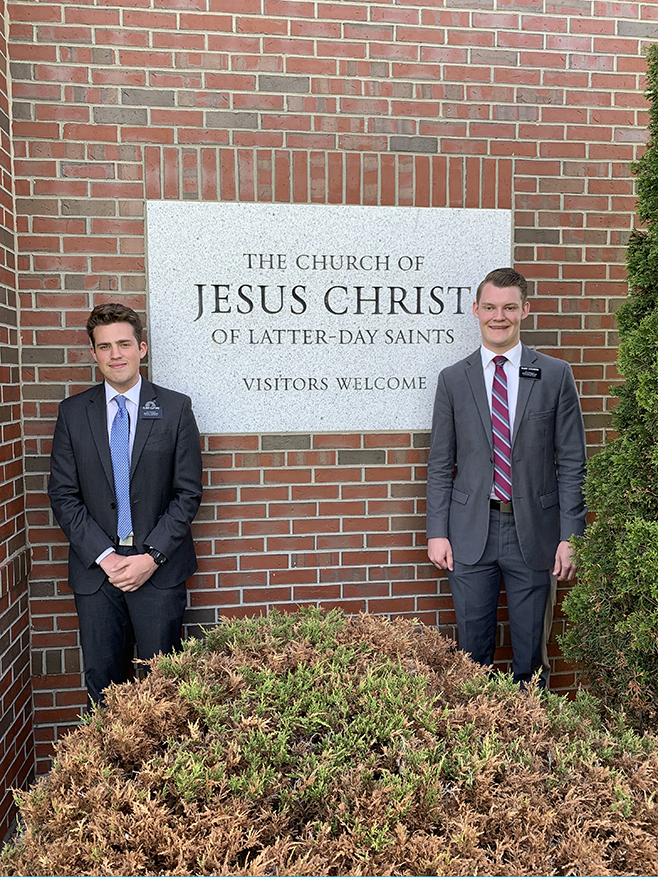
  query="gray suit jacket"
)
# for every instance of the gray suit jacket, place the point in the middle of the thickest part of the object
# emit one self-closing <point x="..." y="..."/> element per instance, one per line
<point x="165" y="484"/>
<point x="548" y="460"/>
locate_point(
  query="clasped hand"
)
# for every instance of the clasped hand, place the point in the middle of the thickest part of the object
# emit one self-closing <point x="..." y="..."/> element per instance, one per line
<point x="128" y="573"/>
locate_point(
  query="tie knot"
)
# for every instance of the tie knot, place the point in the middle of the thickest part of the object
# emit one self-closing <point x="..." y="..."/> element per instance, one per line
<point x="499" y="360"/>
<point x="121" y="402"/>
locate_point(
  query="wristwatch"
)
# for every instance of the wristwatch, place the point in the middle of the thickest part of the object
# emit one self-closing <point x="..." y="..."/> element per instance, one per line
<point x="157" y="556"/>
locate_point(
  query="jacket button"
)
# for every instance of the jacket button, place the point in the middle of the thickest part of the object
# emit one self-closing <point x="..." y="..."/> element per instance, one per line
<point x="113" y="505"/>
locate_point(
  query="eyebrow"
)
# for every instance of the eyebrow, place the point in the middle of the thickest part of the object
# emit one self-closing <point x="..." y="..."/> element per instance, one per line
<point x="119" y="341"/>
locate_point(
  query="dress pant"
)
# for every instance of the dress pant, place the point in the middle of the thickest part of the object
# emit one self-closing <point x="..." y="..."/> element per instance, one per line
<point x="475" y="592"/>
<point x="111" y="621"/>
<point x="548" y="629"/>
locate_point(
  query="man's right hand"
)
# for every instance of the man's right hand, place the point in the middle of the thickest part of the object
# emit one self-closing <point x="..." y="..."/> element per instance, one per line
<point x="108" y="563"/>
<point x="439" y="551"/>
<point x="128" y="573"/>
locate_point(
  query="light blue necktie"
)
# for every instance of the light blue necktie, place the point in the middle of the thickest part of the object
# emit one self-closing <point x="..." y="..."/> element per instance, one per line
<point x="119" y="449"/>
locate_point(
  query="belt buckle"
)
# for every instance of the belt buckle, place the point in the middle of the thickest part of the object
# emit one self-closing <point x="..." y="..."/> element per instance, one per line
<point x="505" y="508"/>
<point x="127" y="541"/>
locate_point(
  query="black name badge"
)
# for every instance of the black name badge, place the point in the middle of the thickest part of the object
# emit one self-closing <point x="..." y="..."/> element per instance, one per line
<point x="150" y="411"/>
<point x="526" y="371"/>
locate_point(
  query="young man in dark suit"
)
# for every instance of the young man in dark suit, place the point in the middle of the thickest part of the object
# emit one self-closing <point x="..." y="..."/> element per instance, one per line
<point x="125" y="484"/>
<point x="505" y="476"/>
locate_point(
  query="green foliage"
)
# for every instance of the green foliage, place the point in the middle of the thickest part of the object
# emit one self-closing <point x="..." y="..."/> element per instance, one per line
<point x="613" y="609"/>
<point x="333" y="705"/>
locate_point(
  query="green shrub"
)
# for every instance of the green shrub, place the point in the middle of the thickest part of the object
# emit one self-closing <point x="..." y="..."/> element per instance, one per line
<point x="319" y="744"/>
<point x="613" y="609"/>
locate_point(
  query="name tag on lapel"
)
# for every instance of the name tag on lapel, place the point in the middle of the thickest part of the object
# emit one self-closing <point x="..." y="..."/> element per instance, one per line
<point x="526" y="371"/>
<point x="150" y="411"/>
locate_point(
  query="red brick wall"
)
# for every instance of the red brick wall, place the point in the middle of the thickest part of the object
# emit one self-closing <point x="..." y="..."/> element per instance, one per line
<point x="16" y="740"/>
<point x="534" y="105"/>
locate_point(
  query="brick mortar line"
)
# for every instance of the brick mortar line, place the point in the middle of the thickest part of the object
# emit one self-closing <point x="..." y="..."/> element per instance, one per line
<point x="317" y="50"/>
<point x="391" y="79"/>
<point x="496" y="16"/>
<point x="638" y="141"/>
<point x="569" y="54"/>
<point x="319" y="114"/>
<point x="566" y="70"/>
<point x="496" y="22"/>
<point x="373" y="4"/>
<point x="329" y="78"/>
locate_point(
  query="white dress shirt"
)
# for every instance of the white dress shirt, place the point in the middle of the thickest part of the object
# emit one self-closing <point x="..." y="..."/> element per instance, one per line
<point x="132" y="407"/>
<point x="511" y="368"/>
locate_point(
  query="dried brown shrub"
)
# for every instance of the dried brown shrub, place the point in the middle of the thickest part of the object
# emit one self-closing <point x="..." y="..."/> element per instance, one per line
<point x="319" y="744"/>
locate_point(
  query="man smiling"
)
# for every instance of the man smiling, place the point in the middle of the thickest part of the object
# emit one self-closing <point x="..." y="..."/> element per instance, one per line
<point x="125" y="484"/>
<point x="505" y="475"/>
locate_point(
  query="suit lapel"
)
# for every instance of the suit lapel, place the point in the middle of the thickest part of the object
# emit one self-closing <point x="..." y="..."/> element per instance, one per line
<point x="475" y="376"/>
<point x="97" y="417"/>
<point x="146" y="394"/>
<point x="528" y="357"/>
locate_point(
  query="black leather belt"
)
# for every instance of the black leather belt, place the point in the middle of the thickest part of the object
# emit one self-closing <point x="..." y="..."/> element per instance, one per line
<point x="498" y="506"/>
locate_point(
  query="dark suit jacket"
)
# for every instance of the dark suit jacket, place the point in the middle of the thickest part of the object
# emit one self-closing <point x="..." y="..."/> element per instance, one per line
<point x="165" y="484"/>
<point x="548" y="460"/>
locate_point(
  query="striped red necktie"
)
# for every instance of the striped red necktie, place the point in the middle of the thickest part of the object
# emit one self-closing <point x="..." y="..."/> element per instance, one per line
<point x="502" y="443"/>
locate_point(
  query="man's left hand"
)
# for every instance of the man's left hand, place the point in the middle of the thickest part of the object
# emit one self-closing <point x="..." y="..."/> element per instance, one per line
<point x="565" y="564"/>
<point x="130" y="573"/>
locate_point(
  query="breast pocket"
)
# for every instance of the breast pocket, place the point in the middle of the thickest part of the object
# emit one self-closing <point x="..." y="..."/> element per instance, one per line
<point x="159" y="449"/>
<point x="157" y="442"/>
<point x="159" y="435"/>
<point x="540" y="415"/>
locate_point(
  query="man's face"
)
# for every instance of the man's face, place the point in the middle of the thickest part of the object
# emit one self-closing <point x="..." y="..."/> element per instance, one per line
<point x="499" y="314"/>
<point x="118" y="355"/>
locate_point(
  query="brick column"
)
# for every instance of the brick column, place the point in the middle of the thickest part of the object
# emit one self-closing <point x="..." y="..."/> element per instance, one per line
<point x="16" y="738"/>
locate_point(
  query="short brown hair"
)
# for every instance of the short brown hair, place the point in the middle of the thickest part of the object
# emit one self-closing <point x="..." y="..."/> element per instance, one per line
<point x="113" y="312"/>
<point x="503" y="277"/>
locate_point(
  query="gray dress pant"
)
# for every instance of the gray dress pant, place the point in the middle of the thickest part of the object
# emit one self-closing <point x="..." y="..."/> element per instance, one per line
<point x="475" y="592"/>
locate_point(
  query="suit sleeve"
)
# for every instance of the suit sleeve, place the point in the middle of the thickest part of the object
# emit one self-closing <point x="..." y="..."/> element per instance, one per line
<point x="441" y="462"/>
<point x="570" y="458"/>
<point x="85" y="536"/>
<point x="186" y="487"/>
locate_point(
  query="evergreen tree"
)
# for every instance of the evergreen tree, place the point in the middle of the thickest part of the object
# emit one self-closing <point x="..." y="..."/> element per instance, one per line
<point x="613" y="609"/>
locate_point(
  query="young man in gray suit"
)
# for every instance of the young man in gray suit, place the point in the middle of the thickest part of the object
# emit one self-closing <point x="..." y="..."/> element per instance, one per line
<point x="125" y="484"/>
<point x="505" y="475"/>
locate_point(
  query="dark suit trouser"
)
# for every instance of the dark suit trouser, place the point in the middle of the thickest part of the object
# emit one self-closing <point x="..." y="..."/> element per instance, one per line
<point x="476" y="589"/>
<point x="110" y="618"/>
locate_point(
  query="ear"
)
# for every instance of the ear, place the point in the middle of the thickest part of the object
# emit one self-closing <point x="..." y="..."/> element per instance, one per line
<point x="526" y="310"/>
<point x="93" y="353"/>
<point x="142" y="349"/>
<point x="475" y="309"/>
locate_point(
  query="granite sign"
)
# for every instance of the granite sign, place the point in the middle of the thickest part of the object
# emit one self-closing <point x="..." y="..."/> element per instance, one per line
<point x="289" y="317"/>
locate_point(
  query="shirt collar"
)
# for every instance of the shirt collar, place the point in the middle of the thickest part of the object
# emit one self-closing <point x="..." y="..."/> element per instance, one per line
<point x="132" y="394"/>
<point x="513" y="355"/>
